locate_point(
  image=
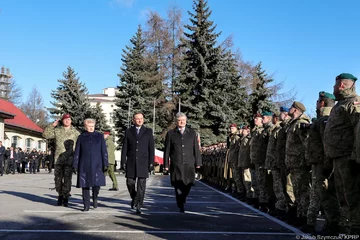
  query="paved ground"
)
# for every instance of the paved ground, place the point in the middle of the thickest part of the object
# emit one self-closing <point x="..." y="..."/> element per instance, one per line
<point x="28" y="211"/>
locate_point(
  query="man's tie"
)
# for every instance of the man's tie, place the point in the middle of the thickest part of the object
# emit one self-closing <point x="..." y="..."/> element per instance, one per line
<point x="182" y="131"/>
<point x="137" y="131"/>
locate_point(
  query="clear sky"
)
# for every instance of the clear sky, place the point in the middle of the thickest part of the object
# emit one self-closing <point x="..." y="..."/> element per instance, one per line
<point x="304" y="43"/>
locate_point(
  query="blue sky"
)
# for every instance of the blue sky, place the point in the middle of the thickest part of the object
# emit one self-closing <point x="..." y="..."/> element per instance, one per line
<point x="304" y="43"/>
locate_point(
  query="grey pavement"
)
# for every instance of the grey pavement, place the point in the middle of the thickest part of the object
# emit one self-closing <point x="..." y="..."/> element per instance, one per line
<point x="28" y="211"/>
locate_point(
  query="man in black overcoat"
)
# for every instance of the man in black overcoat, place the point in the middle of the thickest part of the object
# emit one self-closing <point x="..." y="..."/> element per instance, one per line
<point x="182" y="147"/>
<point x="137" y="159"/>
<point x="2" y="158"/>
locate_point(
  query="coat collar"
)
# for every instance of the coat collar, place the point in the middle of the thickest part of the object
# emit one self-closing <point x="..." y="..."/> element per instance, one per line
<point x="142" y="130"/>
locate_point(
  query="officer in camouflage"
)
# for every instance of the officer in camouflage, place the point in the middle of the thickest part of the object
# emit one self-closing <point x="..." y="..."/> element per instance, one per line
<point x="340" y="141"/>
<point x="244" y="163"/>
<point x="322" y="190"/>
<point x="111" y="157"/>
<point x="271" y="163"/>
<point x="61" y="133"/>
<point x="233" y="153"/>
<point x="295" y="159"/>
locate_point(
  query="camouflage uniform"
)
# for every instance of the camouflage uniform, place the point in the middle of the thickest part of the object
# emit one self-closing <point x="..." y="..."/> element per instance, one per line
<point x="271" y="163"/>
<point x="258" y="146"/>
<point x="339" y="138"/>
<point x="111" y="155"/>
<point x="233" y="153"/>
<point x="322" y="188"/>
<point x="295" y="160"/>
<point x="60" y="134"/>
<point x="244" y="164"/>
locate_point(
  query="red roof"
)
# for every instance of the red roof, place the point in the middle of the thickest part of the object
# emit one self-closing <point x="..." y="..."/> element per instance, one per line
<point x="20" y="119"/>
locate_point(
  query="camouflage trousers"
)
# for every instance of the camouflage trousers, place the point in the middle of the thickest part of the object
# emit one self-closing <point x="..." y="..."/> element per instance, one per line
<point x="347" y="183"/>
<point x="278" y="187"/>
<point x="254" y="183"/>
<point x="328" y="197"/>
<point x="314" y="197"/>
<point x="246" y="177"/>
<point x="112" y="175"/>
<point x="237" y="177"/>
<point x="301" y="187"/>
<point x="63" y="175"/>
<point x="261" y="173"/>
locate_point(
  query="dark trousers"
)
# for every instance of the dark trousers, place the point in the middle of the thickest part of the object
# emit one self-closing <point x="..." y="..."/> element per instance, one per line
<point x="86" y="195"/>
<point x="33" y="166"/>
<point x="50" y="165"/>
<point x="1" y="167"/>
<point x="23" y="165"/>
<point x="181" y="192"/>
<point x="138" y="194"/>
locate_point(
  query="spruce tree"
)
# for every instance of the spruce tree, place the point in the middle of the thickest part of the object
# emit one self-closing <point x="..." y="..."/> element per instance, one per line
<point x="208" y="85"/>
<point x="99" y="116"/>
<point x="71" y="97"/>
<point x="140" y="85"/>
<point x="261" y="96"/>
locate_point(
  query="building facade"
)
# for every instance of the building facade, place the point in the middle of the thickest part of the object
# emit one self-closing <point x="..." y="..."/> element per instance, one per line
<point x="17" y="130"/>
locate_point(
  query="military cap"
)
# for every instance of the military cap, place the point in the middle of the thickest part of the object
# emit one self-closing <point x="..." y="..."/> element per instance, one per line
<point x="267" y="113"/>
<point x="346" y="76"/>
<point x="276" y="114"/>
<point x="323" y="94"/>
<point x="299" y="106"/>
<point x="284" y="109"/>
<point x="257" y="115"/>
<point x="245" y="127"/>
<point x="232" y="125"/>
<point x="65" y="116"/>
<point x="241" y="126"/>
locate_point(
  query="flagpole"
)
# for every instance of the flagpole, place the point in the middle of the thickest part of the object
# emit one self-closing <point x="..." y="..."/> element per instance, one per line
<point x="154" y="119"/>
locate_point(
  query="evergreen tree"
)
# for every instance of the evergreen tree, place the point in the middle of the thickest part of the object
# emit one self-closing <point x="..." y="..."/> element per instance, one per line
<point x="208" y="85"/>
<point x="71" y="97"/>
<point x="261" y="96"/>
<point x="98" y="114"/>
<point x="140" y="85"/>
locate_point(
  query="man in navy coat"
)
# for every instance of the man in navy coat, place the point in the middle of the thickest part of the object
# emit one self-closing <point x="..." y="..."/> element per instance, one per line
<point x="90" y="162"/>
<point x="182" y="147"/>
<point x="137" y="159"/>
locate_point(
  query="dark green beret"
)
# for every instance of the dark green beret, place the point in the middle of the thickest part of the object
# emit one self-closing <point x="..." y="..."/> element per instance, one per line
<point x="266" y="113"/>
<point x="299" y="106"/>
<point x="346" y="76"/>
<point x="323" y="94"/>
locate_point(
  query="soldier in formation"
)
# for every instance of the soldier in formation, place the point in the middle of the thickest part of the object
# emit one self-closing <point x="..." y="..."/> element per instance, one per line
<point x="313" y="164"/>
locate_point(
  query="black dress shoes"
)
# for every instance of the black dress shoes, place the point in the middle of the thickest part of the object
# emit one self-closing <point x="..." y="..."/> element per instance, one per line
<point x="138" y="210"/>
<point x="132" y="203"/>
<point x="86" y="209"/>
<point x="113" y="189"/>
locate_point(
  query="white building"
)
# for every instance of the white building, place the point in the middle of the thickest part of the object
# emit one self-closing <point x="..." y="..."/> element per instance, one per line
<point x="17" y="130"/>
<point x="107" y="103"/>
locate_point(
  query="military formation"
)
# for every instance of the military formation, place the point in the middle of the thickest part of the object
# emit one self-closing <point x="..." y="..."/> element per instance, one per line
<point x="292" y="167"/>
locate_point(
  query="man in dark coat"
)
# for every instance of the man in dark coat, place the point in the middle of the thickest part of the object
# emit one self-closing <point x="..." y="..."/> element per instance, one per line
<point x="137" y="159"/>
<point x="11" y="157"/>
<point x="90" y="163"/>
<point x="2" y="158"/>
<point x="182" y="147"/>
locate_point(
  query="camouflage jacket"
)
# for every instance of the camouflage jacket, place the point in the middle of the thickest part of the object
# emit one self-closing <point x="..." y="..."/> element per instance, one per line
<point x="258" y="144"/>
<point x="296" y="143"/>
<point x="233" y="147"/>
<point x="341" y="126"/>
<point x="281" y="144"/>
<point x="244" y="152"/>
<point x="271" y="151"/>
<point x="316" y="137"/>
<point x="60" y="134"/>
<point x="109" y="141"/>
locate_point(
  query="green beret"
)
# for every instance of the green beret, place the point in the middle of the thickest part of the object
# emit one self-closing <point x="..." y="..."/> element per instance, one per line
<point x="266" y="113"/>
<point x="323" y="94"/>
<point x="299" y="106"/>
<point x="346" y="76"/>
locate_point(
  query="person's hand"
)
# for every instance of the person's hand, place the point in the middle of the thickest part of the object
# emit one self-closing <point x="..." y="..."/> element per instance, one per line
<point x="151" y="167"/>
<point x="198" y="167"/>
<point x="55" y="123"/>
<point x="74" y="170"/>
<point x="105" y="169"/>
<point x="166" y="169"/>
<point x="124" y="166"/>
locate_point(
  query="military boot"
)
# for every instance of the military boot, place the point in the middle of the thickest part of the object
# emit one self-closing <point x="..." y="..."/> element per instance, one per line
<point x="66" y="202"/>
<point x="60" y="200"/>
<point x="264" y="207"/>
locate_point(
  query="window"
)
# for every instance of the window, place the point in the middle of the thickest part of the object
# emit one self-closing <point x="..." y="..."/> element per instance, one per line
<point x="15" y="141"/>
<point x="111" y="118"/>
<point x="28" y="143"/>
<point x="40" y="145"/>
